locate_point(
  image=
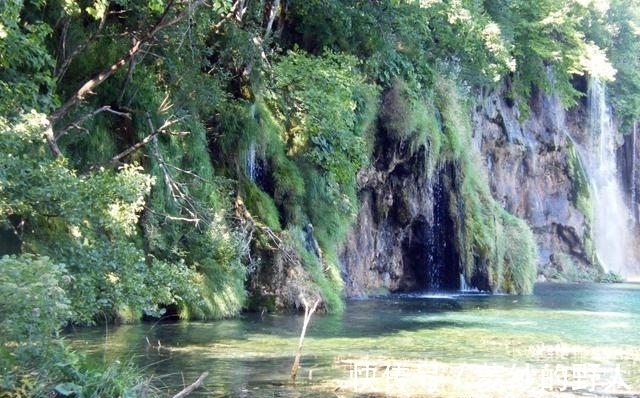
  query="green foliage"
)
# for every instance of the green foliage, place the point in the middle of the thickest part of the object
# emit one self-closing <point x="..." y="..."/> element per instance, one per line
<point x="26" y="66"/>
<point x="543" y="34"/>
<point x="260" y="205"/>
<point x="412" y="121"/>
<point x="89" y="222"/>
<point x="323" y="271"/>
<point x="33" y="301"/>
<point x="34" y="361"/>
<point x="532" y="44"/>
<point x="614" y="27"/>
<point x="187" y="226"/>
<point x="289" y="189"/>
<point x="396" y="113"/>
<point x="520" y="257"/>
<point x="204" y="92"/>
<point x="320" y="105"/>
<point x="320" y="101"/>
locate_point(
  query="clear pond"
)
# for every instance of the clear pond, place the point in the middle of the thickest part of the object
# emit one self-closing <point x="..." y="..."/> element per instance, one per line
<point x="563" y="337"/>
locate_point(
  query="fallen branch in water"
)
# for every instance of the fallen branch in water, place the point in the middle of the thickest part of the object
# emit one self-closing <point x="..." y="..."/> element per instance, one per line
<point x="308" y="312"/>
<point x="189" y="389"/>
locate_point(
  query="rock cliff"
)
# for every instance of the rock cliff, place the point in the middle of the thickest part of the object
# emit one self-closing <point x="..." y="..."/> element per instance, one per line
<point x="406" y="237"/>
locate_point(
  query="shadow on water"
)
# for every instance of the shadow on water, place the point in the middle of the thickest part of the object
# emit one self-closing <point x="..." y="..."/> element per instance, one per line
<point x="377" y="317"/>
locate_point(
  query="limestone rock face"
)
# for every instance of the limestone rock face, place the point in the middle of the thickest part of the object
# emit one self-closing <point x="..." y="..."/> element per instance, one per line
<point x="376" y="255"/>
<point x="528" y="167"/>
<point x="403" y="238"/>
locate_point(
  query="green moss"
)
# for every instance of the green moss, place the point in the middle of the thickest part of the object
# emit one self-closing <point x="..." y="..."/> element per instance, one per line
<point x="260" y="204"/>
<point x="396" y="113"/>
<point x="488" y="235"/>
<point x="565" y="268"/>
<point x="289" y="189"/>
<point x="330" y="207"/>
<point x="324" y="272"/>
<point x="428" y="133"/>
<point x="411" y="119"/>
<point x="580" y="195"/>
<point x="520" y="254"/>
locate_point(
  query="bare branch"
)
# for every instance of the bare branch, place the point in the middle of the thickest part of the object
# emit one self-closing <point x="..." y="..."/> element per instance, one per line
<point x="88" y="86"/>
<point x="196" y="221"/>
<point x="177" y="190"/>
<point x="86" y="117"/>
<point x="168" y="123"/>
<point x="189" y="389"/>
<point x="272" y="16"/>
<point x="308" y="312"/>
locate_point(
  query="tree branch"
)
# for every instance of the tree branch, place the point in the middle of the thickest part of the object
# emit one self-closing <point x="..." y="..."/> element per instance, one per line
<point x="189" y="389"/>
<point x="237" y="12"/>
<point x="89" y="85"/>
<point x="145" y="140"/>
<point x="84" y="118"/>
<point x="98" y="79"/>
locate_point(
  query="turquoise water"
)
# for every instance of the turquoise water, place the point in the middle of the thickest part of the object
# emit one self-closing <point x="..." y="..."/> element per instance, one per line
<point x="559" y="327"/>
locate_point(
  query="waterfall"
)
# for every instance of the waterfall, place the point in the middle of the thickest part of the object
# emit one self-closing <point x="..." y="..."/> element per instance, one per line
<point x="442" y="257"/>
<point x="251" y="166"/>
<point x="612" y="218"/>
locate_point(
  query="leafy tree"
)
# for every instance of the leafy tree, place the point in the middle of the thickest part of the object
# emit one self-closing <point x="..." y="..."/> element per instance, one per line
<point x="88" y="222"/>
<point x="319" y="100"/>
<point x="614" y="27"/>
<point x="26" y="65"/>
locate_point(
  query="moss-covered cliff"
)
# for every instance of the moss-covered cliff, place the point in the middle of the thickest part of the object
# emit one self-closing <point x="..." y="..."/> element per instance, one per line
<point x="197" y="158"/>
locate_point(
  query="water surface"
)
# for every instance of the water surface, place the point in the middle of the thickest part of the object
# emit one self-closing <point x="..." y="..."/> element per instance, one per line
<point x="559" y="327"/>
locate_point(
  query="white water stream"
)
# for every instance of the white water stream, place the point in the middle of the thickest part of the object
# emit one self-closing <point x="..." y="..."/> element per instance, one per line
<point x="613" y="220"/>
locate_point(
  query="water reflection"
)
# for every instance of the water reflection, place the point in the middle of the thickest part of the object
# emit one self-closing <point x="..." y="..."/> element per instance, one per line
<point x="252" y="355"/>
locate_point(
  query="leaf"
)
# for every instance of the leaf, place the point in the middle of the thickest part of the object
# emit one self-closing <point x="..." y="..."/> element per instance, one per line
<point x="98" y="10"/>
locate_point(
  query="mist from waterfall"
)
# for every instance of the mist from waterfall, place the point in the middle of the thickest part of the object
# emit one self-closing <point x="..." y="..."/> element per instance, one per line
<point x="612" y="217"/>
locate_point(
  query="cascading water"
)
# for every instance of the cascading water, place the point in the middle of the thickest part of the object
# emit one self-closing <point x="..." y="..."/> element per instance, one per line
<point x="442" y="258"/>
<point x="252" y="163"/>
<point x="435" y="243"/>
<point x="612" y="218"/>
<point x="251" y="166"/>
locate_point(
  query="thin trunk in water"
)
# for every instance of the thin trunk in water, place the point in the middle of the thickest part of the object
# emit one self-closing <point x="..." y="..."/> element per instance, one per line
<point x="308" y="312"/>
